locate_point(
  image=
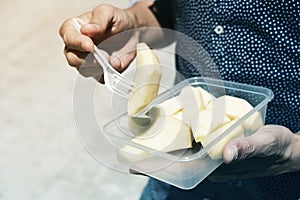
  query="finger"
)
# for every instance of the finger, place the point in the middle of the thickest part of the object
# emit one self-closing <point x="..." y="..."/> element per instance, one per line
<point x="240" y="148"/>
<point x="261" y="143"/>
<point x="116" y="63"/>
<point x="270" y="140"/>
<point x="99" y="23"/>
<point x="74" y="58"/>
<point x="75" y="40"/>
<point x="122" y="62"/>
<point x="121" y="59"/>
<point x="230" y="152"/>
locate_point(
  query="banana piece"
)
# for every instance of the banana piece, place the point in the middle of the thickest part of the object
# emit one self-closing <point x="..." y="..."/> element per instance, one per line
<point x="147" y="79"/>
<point x="235" y="107"/>
<point x="191" y="101"/>
<point x="216" y="151"/>
<point x="170" y="106"/>
<point x="206" y="122"/>
<point x="206" y="97"/>
<point x="178" y="115"/>
<point x="165" y="134"/>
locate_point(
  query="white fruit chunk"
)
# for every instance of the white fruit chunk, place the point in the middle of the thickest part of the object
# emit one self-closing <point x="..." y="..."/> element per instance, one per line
<point x="207" y="121"/>
<point x="147" y="79"/>
<point x="206" y="97"/>
<point x="166" y="108"/>
<point x="235" y="107"/>
<point x="177" y="115"/>
<point x="170" y="106"/>
<point x="165" y="134"/>
<point x="191" y="101"/>
<point x="216" y="150"/>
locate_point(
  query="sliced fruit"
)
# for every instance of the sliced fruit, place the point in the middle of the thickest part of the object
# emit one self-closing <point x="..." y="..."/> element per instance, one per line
<point x="177" y="115"/>
<point x="165" y="133"/>
<point x="206" y="97"/>
<point x="147" y="79"/>
<point x="235" y="107"/>
<point x="216" y="150"/>
<point x="206" y="122"/>
<point x="191" y="101"/>
<point x="170" y="106"/>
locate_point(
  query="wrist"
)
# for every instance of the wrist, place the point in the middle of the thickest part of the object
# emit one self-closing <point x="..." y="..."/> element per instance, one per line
<point x="141" y="15"/>
<point x="150" y="31"/>
<point x="132" y="21"/>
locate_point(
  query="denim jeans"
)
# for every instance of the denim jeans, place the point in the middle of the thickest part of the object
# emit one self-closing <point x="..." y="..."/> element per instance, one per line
<point x="280" y="187"/>
<point x="156" y="190"/>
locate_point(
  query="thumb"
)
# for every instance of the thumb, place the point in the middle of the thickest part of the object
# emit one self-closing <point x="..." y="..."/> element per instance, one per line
<point x="265" y="142"/>
<point x="240" y="148"/>
<point x="99" y="22"/>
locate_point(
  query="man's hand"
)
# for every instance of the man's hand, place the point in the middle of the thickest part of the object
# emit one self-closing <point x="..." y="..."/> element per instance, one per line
<point x="272" y="150"/>
<point x="113" y="30"/>
<point x="103" y="22"/>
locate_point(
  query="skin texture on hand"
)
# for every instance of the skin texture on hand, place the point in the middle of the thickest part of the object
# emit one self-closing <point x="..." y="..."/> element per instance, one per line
<point x="103" y="22"/>
<point x="97" y="25"/>
<point x="272" y="150"/>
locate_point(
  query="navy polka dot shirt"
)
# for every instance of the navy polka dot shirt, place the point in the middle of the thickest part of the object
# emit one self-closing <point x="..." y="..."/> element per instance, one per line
<point x="250" y="41"/>
<point x="255" y="42"/>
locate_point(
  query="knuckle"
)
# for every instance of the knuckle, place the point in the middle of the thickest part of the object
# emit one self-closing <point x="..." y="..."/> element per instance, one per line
<point x="70" y="40"/>
<point x="248" y="150"/>
<point x="62" y="29"/>
<point x="245" y="149"/>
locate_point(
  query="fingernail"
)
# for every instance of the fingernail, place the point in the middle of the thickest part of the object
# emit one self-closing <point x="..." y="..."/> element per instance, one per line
<point x="235" y="153"/>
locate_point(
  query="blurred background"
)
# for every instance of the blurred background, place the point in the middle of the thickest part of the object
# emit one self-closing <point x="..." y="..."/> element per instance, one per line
<point x="41" y="156"/>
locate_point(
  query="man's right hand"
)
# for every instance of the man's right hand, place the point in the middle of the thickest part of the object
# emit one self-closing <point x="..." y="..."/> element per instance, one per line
<point x="98" y="27"/>
<point x="101" y="23"/>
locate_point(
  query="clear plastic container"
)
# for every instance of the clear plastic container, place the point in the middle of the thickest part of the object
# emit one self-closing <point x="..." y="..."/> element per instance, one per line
<point x="186" y="168"/>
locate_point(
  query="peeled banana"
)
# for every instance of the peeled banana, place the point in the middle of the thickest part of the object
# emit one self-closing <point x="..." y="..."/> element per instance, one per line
<point x="147" y="79"/>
